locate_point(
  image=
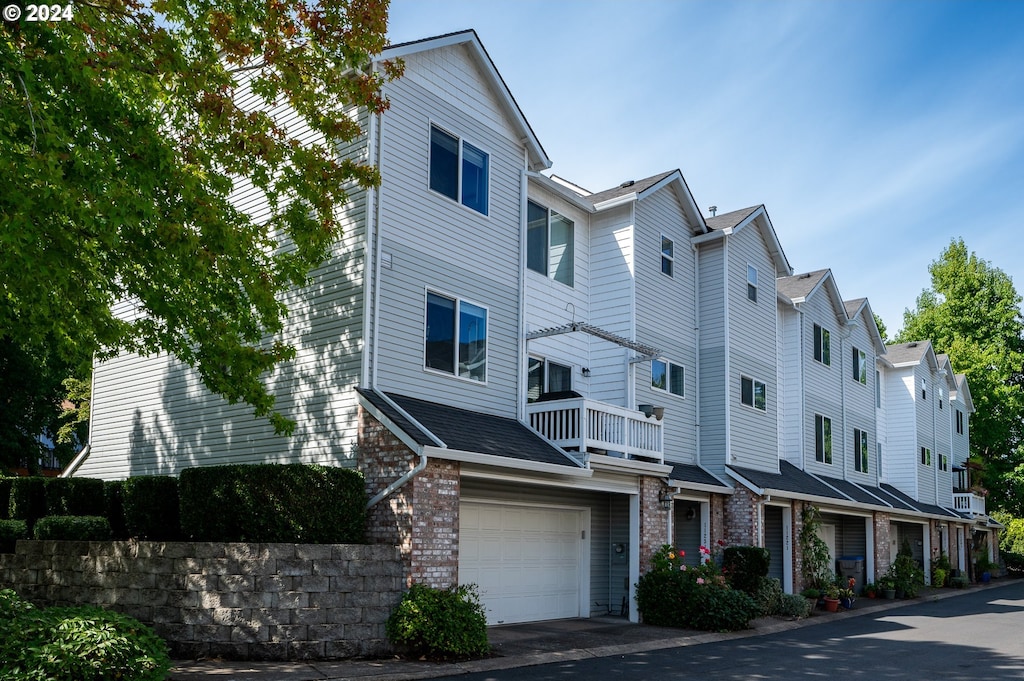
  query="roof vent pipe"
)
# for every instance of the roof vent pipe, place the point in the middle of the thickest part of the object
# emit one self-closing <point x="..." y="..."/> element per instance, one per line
<point x="713" y="210"/>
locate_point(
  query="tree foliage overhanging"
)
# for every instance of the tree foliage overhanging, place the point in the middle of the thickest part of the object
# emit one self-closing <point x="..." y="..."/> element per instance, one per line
<point x="972" y="313"/>
<point x="123" y="135"/>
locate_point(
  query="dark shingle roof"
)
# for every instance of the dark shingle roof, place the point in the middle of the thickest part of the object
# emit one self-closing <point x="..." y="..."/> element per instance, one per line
<point x="630" y="187"/>
<point x="799" y="285"/>
<point x="897" y="498"/>
<point x="853" y="306"/>
<point x="855" y="492"/>
<point x="694" y="474"/>
<point x="906" y="352"/>
<point x="469" y="431"/>
<point x="730" y="219"/>
<point x="788" y="479"/>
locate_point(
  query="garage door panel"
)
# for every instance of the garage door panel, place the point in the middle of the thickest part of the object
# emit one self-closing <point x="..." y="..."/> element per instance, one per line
<point x="525" y="561"/>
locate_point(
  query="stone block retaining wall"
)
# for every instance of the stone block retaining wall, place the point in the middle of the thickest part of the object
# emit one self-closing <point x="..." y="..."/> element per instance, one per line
<point x="236" y="601"/>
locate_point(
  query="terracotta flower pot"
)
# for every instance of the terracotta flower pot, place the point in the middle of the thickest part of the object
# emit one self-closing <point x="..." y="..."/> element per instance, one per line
<point x="832" y="604"/>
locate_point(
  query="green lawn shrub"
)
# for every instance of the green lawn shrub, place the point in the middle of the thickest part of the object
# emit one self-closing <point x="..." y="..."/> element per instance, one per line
<point x="73" y="528"/>
<point x="27" y="500"/>
<point x="10" y="532"/>
<point x="74" y="496"/>
<point x="793" y="605"/>
<point x="440" y="624"/>
<point x="151" y="508"/>
<point x="768" y="595"/>
<point x="83" y="643"/>
<point x="303" y="503"/>
<point x="113" y="504"/>
<point x="672" y="594"/>
<point x="745" y="567"/>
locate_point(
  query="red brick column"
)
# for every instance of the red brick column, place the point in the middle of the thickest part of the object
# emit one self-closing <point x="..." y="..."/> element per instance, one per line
<point x="743" y="518"/>
<point x="717" y="520"/>
<point x="653" y="519"/>
<point x="883" y="557"/>
<point x="435" y="525"/>
<point x="797" y="510"/>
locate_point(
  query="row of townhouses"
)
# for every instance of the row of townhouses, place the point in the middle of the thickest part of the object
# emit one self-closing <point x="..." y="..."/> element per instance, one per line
<point x="543" y="384"/>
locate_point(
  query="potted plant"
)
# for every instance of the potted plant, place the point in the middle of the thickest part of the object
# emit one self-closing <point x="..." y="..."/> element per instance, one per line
<point x="846" y="594"/>
<point x="832" y="597"/>
<point x="887" y="585"/>
<point x="871" y="590"/>
<point x="984" y="569"/>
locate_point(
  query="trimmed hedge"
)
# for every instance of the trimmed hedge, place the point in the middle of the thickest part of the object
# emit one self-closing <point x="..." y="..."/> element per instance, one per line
<point x="85" y="643"/>
<point x="745" y="566"/>
<point x="151" y="507"/>
<point x="304" y="503"/>
<point x="28" y="500"/>
<point x="73" y="528"/>
<point x="73" y="496"/>
<point x="10" y="532"/>
<point x="5" y="497"/>
<point x="113" y="503"/>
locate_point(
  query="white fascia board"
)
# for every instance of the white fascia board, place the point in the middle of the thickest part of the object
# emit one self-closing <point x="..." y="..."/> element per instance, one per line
<point x="611" y="463"/>
<point x="504" y="462"/>
<point x="710" y="236"/>
<point x="617" y="201"/>
<point x="584" y="483"/>
<point x="685" y="486"/>
<point x="561" y="191"/>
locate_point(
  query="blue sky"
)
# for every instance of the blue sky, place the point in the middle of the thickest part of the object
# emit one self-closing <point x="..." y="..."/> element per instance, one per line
<point x="874" y="131"/>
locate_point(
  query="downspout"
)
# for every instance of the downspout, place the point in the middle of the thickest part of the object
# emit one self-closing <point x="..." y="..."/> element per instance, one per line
<point x="630" y="365"/>
<point x="369" y="274"/>
<point x="728" y="350"/>
<point x="83" y="454"/>
<point x="417" y="469"/>
<point x="521" y="364"/>
<point x="378" y="244"/>
<point x="696" y="349"/>
<point x="842" y="396"/>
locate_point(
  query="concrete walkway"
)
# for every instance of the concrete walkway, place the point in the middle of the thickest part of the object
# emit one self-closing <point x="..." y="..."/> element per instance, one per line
<point x="523" y="645"/>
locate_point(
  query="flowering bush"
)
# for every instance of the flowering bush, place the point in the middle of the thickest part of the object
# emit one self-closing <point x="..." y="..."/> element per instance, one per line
<point x="673" y="594"/>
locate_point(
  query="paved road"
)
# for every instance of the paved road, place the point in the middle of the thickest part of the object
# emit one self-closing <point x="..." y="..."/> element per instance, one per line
<point x="975" y="637"/>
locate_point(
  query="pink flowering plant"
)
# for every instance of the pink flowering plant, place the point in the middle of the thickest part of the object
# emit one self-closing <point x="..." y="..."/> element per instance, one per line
<point x="691" y="596"/>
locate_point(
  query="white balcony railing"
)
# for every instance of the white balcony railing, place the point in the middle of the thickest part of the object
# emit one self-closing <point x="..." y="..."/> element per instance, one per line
<point x="583" y="425"/>
<point x="968" y="502"/>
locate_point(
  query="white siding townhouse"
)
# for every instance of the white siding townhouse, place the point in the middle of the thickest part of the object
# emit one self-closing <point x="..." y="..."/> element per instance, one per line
<point x="543" y="384"/>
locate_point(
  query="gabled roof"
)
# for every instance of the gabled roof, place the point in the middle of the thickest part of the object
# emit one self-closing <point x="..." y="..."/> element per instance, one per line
<point x="804" y="286"/>
<point x="861" y="307"/>
<point x="695" y="477"/>
<point x="471" y="41"/>
<point x="638" y="190"/>
<point x="438" y="425"/>
<point x="789" y="479"/>
<point x="909" y="354"/>
<point x="726" y="224"/>
<point x="963" y="392"/>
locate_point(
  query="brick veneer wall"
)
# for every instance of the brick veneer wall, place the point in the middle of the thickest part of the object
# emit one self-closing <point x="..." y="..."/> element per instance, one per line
<point x="743" y="518"/>
<point x="797" y="510"/>
<point x="236" y="601"/>
<point x="883" y="557"/>
<point x="653" y="519"/>
<point x="717" y="509"/>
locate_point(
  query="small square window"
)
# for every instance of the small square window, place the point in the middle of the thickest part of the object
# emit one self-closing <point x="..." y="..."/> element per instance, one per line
<point x="926" y="456"/>
<point x="751" y="283"/>
<point x="668" y="376"/>
<point x="753" y="393"/>
<point x="667" y="255"/>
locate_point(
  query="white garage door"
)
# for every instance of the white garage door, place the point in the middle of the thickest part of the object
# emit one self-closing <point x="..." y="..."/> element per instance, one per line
<point x="525" y="560"/>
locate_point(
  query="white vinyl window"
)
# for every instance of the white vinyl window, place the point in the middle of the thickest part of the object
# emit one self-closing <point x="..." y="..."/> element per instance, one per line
<point x="860" y="450"/>
<point x="822" y="439"/>
<point x="458" y="170"/>
<point x="549" y="243"/>
<point x="753" y="393"/>
<point x="751" y="283"/>
<point x="860" y="366"/>
<point x="822" y="345"/>
<point x="668" y="255"/>
<point x="668" y="376"/>
<point x="545" y="377"/>
<point x="456" y="337"/>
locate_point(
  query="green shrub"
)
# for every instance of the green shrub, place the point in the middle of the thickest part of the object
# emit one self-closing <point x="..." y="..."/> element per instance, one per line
<point x="73" y="496"/>
<point x="273" y="503"/>
<point x="745" y="566"/>
<point x="10" y="532"/>
<point x="83" y="643"/>
<point x="73" y="528"/>
<point x="672" y="594"/>
<point x="793" y="605"/>
<point x="113" y="504"/>
<point x="440" y="624"/>
<point x="768" y="595"/>
<point x="5" y="497"/>
<point x="27" y="500"/>
<point x="151" y="508"/>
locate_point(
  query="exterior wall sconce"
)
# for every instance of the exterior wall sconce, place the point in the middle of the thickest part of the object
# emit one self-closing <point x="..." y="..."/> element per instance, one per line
<point x="666" y="501"/>
<point x="585" y="371"/>
<point x="691" y="513"/>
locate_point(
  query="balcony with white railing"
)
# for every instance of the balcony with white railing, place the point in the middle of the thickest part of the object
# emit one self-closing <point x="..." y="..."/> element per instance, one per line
<point x="587" y="425"/>
<point x="969" y="502"/>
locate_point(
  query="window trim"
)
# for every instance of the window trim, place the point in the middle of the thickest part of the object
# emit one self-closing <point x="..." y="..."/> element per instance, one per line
<point x="548" y="274"/>
<point x="926" y="456"/>
<point x="860" y="451"/>
<point x="668" y="377"/>
<point x="822" y="351"/>
<point x="458" y="300"/>
<point x="459" y="179"/>
<point x="959" y="422"/>
<point x="670" y="259"/>
<point x="860" y="366"/>
<point x="751" y="283"/>
<point x="943" y="462"/>
<point x="753" y="393"/>
<point x="826" y="455"/>
<point x="545" y="376"/>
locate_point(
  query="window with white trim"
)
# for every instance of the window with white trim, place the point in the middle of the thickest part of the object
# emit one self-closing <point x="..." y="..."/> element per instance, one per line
<point x="544" y="376"/>
<point x="458" y="170"/>
<point x="751" y="283"/>
<point x="860" y="366"/>
<point x="753" y="393"/>
<point x="924" y="388"/>
<point x="860" y="450"/>
<point x="959" y="422"/>
<point x="668" y="255"/>
<point x="926" y="456"/>
<point x="668" y="376"/>
<point x="943" y="462"/>
<point x="550" y="243"/>
<point x="456" y="337"/>
<point x="878" y="389"/>
<point x="822" y="439"/>
<point x="822" y="345"/>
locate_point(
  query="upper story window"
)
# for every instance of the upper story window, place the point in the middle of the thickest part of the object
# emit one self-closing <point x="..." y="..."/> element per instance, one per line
<point x="549" y="243"/>
<point x="752" y="283"/>
<point x="878" y="389"/>
<point x="668" y="376"/>
<point x="753" y="393"/>
<point x="860" y="450"/>
<point x="668" y="255"/>
<point x="456" y="337"/>
<point x="458" y="170"/>
<point x="926" y="456"/>
<point x="959" y="422"/>
<point x="943" y="462"/>
<point x="822" y="345"/>
<point x="924" y="388"/>
<point x="822" y="439"/>
<point x="860" y="366"/>
<point x="545" y="377"/>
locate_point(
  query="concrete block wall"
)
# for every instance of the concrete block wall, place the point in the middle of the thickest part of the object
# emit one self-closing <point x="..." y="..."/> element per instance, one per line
<point x="235" y="601"/>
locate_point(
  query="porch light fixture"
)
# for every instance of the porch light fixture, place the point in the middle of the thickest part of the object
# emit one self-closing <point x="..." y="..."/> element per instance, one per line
<point x="585" y="371"/>
<point x="691" y="513"/>
<point x="666" y="501"/>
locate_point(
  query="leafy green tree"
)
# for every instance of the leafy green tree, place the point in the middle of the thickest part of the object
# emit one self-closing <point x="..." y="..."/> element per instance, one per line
<point x="972" y="313"/>
<point x="125" y="134"/>
<point x="881" y="327"/>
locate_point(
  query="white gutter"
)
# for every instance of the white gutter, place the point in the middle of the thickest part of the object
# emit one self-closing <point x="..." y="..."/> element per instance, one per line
<point x="504" y="462"/>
